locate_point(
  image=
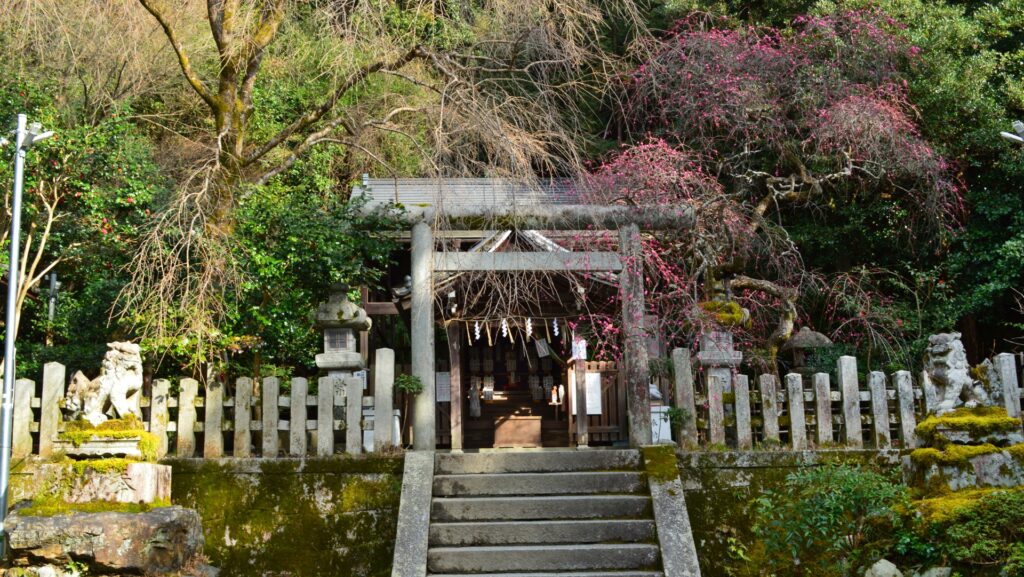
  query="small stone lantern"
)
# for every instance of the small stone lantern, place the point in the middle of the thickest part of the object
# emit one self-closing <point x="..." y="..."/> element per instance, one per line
<point x="340" y="318"/>
<point x="801" y="343"/>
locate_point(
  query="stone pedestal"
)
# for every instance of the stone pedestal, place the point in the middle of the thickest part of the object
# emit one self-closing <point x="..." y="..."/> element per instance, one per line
<point x="100" y="447"/>
<point x="110" y="481"/>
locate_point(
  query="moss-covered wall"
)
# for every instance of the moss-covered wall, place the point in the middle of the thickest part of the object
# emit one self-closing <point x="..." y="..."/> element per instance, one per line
<point x="311" y="518"/>
<point x="721" y="485"/>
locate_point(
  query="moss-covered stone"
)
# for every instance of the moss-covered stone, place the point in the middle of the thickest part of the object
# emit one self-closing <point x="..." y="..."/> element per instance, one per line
<point x="720" y="488"/>
<point x="944" y="507"/>
<point x="304" y="518"/>
<point x="49" y="506"/>
<point x="951" y="455"/>
<point x="660" y="463"/>
<point x="979" y="422"/>
<point x="130" y="427"/>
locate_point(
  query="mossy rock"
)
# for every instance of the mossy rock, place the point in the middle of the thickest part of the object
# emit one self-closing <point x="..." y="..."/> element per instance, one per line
<point x="979" y="423"/>
<point x="304" y="518"/>
<point x="660" y="463"/>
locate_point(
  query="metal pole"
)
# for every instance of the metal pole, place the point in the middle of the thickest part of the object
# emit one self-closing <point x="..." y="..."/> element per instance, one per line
<point x="7" y="408"/>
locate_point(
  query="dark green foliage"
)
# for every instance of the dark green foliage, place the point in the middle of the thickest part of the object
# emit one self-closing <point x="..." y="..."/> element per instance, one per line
<point x="827" y="520"/>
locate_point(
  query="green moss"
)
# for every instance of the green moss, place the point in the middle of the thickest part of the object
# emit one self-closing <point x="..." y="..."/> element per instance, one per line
<point x="1017" y="452"/>
<point x="660" y="463"/>
<point x="952" y="455"/>
<point x="102" y="466"/>
<point x="941" y="508"/>
<point x="728" y="314"/>
<point x="978" y="422"/>
<point x="343" y="511"/>
<point x="50" y="506"/>
<point x="130" y="427"/>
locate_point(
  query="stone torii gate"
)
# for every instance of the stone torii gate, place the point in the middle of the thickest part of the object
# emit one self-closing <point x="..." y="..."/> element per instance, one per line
<point x="513" y="207"/>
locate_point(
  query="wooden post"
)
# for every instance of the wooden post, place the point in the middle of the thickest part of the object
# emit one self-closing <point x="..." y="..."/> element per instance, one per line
<point x="905" y="396"/>
<point x="353" y="416"/>
<point x="160" y="415"/>
<point x="684" y="396"/>
<point x="1007" y="370"/>
<point x="716" y="410"/>
<point x="325" y="416"/>
<point x="823" y="408"/>
<point x="744" y="438"/>
<point x="271" y="439"/>
<point x="24" y="390"/>
<point x="383" y="400"/>
<point x="213" y="421"/>
<point x="636" y="371"/>
<point x="769" y="406"/>
<point x="582" y="436"/>
<point x="49" y="416"/>
<point x="797" y="420"/>
<point x="297" y="422"/>
<point x="243" y="418"/>
<point x="186" y="433"/>
<point x="455" y="370"/>
<point x="847" y="369"/>
<point x="879" y="410"/>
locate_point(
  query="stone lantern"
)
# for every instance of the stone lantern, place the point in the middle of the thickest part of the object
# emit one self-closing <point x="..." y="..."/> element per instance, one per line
<point x="801" y="343"/>
<point x="718" y="357"/>
<point x="340" y="318"/>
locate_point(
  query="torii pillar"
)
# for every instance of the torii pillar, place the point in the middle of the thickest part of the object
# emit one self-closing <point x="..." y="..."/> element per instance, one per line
<point x="422" y="333"/>
<point x="636" y="371"/>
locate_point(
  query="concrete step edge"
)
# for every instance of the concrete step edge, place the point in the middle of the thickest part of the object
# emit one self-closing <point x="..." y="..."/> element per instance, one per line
<point x="558" y="574"/>
<point x="544" y="532"/>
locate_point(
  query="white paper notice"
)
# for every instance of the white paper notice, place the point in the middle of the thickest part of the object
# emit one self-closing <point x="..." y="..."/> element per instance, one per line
<point x="593" y="387"/>
<point x="443" y="383"/>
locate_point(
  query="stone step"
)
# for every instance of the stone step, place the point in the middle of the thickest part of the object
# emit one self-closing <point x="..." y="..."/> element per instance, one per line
<point x="581" y="482"/>
<point x="550" y="558"/>
<point x="541" y="532"/>
<point x="536" y="461"/>
<point x="537" y="508"/>
<point x="562" y="574"/>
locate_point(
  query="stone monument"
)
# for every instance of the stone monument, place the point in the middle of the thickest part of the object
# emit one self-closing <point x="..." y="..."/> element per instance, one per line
<point x="117" y="392"/>
<point x="969" y="439"/>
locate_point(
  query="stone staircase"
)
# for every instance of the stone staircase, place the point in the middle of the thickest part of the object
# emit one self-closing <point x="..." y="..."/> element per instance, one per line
<point x="541" y="514"/>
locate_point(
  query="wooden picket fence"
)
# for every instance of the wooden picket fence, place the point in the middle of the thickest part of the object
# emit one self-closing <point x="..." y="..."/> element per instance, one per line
<point x="811" y="412"/>
<point x="303" y="422"/>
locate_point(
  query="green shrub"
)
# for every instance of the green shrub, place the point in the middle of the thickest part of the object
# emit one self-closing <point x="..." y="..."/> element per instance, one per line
<point x="827" y="521"/>
<point x="409" y="384"/>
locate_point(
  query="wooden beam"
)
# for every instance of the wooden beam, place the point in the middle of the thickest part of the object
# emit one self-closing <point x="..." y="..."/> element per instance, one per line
<point x="524" y="261"/>
<point x="381" y="308"/>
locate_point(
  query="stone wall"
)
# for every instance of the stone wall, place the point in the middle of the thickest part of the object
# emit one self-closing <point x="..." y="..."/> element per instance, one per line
<point x="719" y="487"/>
<point x="301" y="518"/>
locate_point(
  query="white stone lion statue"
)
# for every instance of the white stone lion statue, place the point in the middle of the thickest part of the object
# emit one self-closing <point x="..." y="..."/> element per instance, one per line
<point x="947" y="378"/>
<point x="115" y="393"/>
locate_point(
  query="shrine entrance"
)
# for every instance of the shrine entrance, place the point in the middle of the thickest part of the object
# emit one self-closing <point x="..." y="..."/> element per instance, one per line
<point x="495" y="391"/>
